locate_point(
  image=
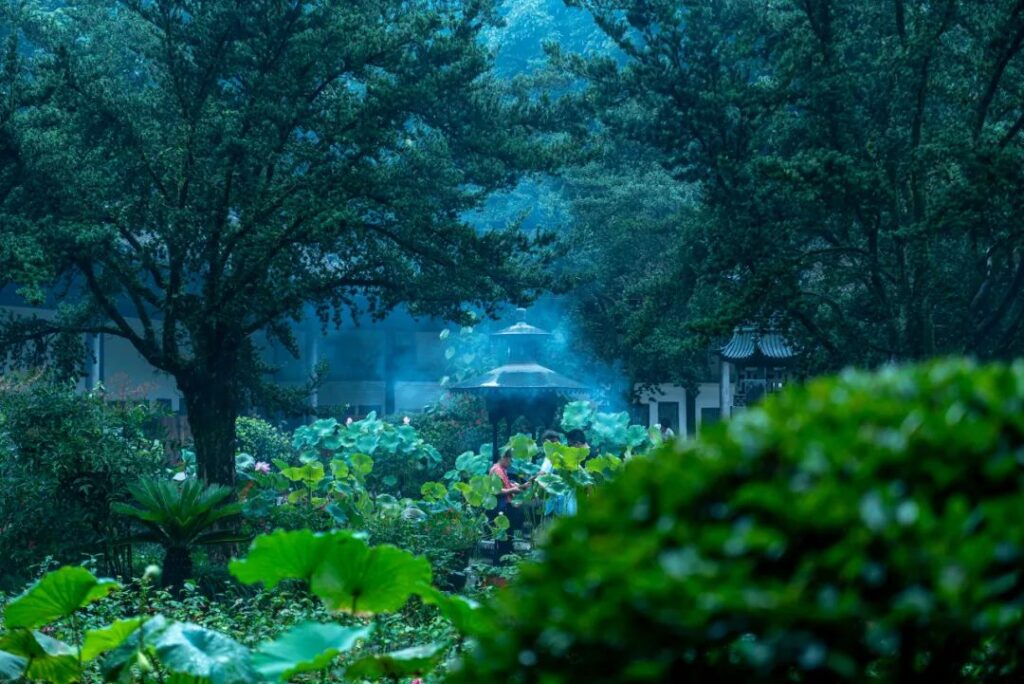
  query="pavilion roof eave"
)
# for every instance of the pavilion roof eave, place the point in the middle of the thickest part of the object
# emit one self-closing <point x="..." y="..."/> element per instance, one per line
<point x="519" y="378"/>
<point x="750" y="345"/>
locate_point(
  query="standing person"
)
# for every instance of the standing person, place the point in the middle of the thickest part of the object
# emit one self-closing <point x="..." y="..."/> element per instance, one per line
<point x="505" y="505"/>
<point x="566" y="505"/>
<point x="556" y="504"/>
<point x="666" y="429"/>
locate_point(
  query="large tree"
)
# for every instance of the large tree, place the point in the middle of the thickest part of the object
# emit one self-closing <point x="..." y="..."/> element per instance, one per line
<point x="860" y="164"/>
<point x="196" y="172"/>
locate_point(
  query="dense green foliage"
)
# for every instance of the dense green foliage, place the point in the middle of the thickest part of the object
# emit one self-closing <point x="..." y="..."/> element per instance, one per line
<point x="346" y="574"/>
<point x="859" y="528"/>
<point x="853" y="171"/>
<point x="260" y="440"/>
<point x="64" y="459"/>
<point x="864" y="527"/>
<point x="200" y="173"/>
<point x="179" y="518"/>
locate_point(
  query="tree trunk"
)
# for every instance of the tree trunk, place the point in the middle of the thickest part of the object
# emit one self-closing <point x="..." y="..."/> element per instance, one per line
<point x="177" y="568"/>
<point x="213" y="408"/>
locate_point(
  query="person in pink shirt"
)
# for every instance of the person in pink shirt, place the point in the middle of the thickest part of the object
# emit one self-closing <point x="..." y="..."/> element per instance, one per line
<point x="508" y="490"/>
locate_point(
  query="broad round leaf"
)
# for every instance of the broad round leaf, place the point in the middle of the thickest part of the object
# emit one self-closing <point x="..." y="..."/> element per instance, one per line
<point x="466" y="615"/>
<point x="126" y="654"/>
<point x="11" y="666"/>
<point x="433" y="491"/>
<point x="55" y="596"/>
<point x="244" y="461"/>
<point x="610" y="429"/>
<point x="554" y="484"/>
<point x="409" y="662"/>
<point x="565" y="457"/>
<point x="305" y="648"/>
<point x="361" y="464"/>
<point x="523" y="446"/>
<point x="99" y="641"/>
<point x="604" y="464"/>
<point x="577" y="415"/>
<point x="200" y="652"/>
<point x="356" y="578"/>
<point x="47" y="659"/>
<point x="284" y="555"/>
<point x="309" y="474"/>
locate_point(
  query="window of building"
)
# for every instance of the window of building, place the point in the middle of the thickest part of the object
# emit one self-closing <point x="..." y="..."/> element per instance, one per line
<point x="668" y="414"/>
<point x="640" y="414"/>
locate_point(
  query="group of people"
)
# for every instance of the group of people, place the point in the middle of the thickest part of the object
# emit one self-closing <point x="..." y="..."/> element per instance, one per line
<point x="556" y="505"/>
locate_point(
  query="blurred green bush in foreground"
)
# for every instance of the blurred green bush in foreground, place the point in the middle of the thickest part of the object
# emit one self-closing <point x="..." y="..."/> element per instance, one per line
<point x="867" y="527"/>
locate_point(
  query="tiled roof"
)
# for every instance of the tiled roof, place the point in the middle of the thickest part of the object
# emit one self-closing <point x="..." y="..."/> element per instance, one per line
<point x="749" y="343"/>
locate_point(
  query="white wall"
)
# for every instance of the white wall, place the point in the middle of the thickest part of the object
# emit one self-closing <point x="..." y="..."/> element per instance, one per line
<point x="707" y="397"/>
<point x="124" y="373"/>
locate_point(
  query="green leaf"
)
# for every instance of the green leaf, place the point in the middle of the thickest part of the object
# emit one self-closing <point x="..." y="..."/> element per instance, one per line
<point x="305" y="648"/>
<point x="367" y="443"/>
<point x="610" y="429"/>
<point x="636" y="436"/>
<point x="470" y="463"/>
<point x="193" y="650"/>
<point x="580" y="478"/>
<point x="47" y="658"/>
<point x="390" y="439"/>
<point x="604" y="465"/>
<point x="310" y="474"/>
<point x="11" y="666"/>
<point x="501" y="522"/>
<point x="357" y="578"/>
<point x="577" y="415"/>
<point x="433" y="491"/>
<point x="553" y="484"/>
<point x="361" y="463"/>
<point x="339" y="469"/>
<point x="284" y="555"/>
<point x="564" y="457"/>
<point x="331" y="442"/>
<point x="56" y="595"/>
<point x="244" y="461"/>
<point x="127" y="653"/>
<point x="466" y="615"/>
<point x="409" y="662"/>
<point x="99" y="641"/>
<point x="522" y="446"/>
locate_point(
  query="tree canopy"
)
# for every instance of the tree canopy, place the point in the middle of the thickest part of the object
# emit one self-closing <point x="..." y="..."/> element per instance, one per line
<point x="194" y="173"/>
<point x="858" y="166"/>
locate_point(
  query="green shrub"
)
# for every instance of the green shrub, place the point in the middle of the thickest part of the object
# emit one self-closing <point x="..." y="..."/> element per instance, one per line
<point x="400" y="460"/>
<point x="64" y="458"/>
<point x="180" y="518"/>
<point x="457" y="424"/>
<point x="867" y="527"/>
<point x="261" y="440"/>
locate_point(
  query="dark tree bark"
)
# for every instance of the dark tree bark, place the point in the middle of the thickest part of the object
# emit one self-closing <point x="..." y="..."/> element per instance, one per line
<point x="213" y="407"/>
<point x="177" y="568"/>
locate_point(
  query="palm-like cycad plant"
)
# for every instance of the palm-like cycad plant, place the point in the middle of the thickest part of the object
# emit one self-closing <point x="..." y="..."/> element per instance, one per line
<point x="180" y="518"/>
